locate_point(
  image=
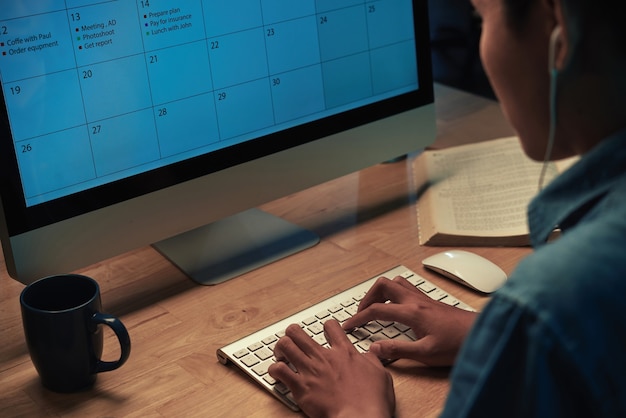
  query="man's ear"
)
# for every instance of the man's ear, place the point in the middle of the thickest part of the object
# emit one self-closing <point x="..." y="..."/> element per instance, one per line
<point x="559" y="40"/>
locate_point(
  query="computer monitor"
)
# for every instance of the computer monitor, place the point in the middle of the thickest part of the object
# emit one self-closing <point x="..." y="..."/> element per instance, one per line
<point x="126" y="123"/>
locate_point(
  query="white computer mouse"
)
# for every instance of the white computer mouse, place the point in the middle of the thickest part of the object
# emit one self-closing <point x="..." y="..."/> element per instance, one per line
<point x="467" y="268"/>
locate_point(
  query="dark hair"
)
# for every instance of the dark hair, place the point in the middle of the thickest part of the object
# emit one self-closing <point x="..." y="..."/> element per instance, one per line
<point x="516" y="13"/>
<point x="605" y="15"/>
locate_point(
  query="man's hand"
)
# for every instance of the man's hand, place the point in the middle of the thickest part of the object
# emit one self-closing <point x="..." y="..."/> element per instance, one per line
<point x="332" y="382"/>
<point x="440" y="328"/>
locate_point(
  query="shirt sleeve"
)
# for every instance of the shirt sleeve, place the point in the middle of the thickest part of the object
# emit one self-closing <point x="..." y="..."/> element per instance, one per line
<point x="513" y="365"/>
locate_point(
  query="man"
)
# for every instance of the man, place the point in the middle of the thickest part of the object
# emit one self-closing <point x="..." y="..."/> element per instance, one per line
<point x="551" y="341"/>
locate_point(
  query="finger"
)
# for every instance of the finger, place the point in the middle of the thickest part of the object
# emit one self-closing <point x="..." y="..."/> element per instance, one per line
<point x="385" y="290"/>
<point x="287" y="350"/>
<point x="278" y="351"/>
<point x="382" y="312"/>
<point x="336" y="336"/>
<point x="408" y="285"/>
<point x="376" y="293"/>
<point x="302" y="340"/>
<point x="283" y="373"/>
<point x="393" y="349"/>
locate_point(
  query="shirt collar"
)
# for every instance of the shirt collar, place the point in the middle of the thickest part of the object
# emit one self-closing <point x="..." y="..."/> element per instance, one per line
<point x="573" y="193"/>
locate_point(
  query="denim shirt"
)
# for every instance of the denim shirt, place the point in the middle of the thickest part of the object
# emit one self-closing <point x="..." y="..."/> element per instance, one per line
<point x="552" y="341"/>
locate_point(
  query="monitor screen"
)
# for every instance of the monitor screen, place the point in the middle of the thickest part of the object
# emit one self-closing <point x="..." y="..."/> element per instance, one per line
<point x="119" y="117"/>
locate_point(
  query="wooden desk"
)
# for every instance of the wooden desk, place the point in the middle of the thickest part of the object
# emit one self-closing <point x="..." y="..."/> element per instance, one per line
<point x="367" y="223"/>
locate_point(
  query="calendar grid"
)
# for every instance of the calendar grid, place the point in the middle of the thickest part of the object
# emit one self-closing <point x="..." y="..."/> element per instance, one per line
<point x="164" y="83"/>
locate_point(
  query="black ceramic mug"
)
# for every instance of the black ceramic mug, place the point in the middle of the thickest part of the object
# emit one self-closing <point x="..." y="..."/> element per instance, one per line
<point x="62" y="324"/>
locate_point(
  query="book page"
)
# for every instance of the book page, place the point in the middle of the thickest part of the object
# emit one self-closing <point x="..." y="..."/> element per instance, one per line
<point x="483" y="189"/>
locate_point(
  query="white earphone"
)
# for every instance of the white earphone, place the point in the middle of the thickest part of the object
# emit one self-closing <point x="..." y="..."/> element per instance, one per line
<point x="554" y="73"/>
<point x="554" y="39"/>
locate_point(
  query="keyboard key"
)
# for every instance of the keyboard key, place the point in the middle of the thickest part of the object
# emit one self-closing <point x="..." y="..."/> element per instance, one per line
<point x="322" y="314"/>
<point x="364" y="345"/>
<point x="438" y="294"/>
<point x="320" y="339"/>
<point x="352" y="310"/>
<point x="391" y="332"/>
<point x="361" y="333"/>
<point x="426" y="287"/>
<point x="261" y="369"/>
<point x="415" y="280"/>
<point x="404" y="337"/>
<point x="316" y="328"/>
<point x="269" y="340"/>
<point x="335" y="308"/>
<point x="450" y="300"/>
<point x="341" y="316"/>
<point x="250" y="360"/>
<point x="264" y="353"/>
<point x="373" y="327"/>
<point x="310" y="320"/>
<point x="402" y="327"/>
<point x="270" y="380"/>
<point x="359" y="296"/>
<point x="241" y="353"/>
<point x="255" y="346"/>
<point x="377" y="337"/>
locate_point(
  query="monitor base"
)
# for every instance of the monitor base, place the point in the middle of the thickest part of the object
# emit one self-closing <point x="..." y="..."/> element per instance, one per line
<point x="235" y="245"/>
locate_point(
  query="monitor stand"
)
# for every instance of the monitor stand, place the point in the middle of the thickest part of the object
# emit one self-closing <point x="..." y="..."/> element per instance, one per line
<point x="235" y="245"/>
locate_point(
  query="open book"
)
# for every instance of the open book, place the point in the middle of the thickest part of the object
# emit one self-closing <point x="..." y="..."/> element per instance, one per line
<point x="477" y="194"/>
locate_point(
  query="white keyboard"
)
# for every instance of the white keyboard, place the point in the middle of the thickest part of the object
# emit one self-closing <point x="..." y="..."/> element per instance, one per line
<point x="254" y="353"/>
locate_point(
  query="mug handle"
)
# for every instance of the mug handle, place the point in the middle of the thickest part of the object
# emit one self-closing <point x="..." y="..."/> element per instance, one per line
<point x="122" y="335"/>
